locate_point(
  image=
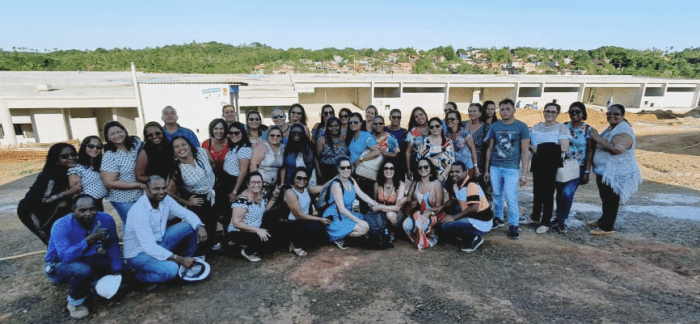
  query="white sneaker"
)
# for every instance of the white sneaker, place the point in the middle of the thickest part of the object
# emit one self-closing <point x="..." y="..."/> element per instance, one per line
<point x="78" y="312"/>
<point x="340" y="244"/>
<point x="542" y="229"/>
<point x="216" y="247"/>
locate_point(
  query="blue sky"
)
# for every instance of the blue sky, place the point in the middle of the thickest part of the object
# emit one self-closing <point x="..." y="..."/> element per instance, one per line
<point x="359" y="24"/>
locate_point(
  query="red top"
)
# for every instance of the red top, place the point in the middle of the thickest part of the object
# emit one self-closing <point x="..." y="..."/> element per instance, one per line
<point x="217" y="156"/>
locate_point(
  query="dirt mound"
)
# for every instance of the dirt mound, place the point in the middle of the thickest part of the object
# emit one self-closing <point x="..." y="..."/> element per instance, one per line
<point x="660" y="114"/>
<point x="695" y="113"/>
<point x="20" y="156"/>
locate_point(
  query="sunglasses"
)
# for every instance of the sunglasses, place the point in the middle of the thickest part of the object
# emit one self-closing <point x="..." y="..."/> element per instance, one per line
<point x="278" y="116"/>
<point x="343" y="116"/>
<point x="274" y="135"/>
<point x="435" y="126"/>
<point x="395" y="117"/>
<point x="354" y="122"/>
<point x="151" y="135"/>
<point x="328" y="113"/>
<point x="67" y="155"/>
<point x="345" y="167"/>
<point x="253" y="119"/>
<point x="236" y="133"/>
<point x="423" y="167"/>
<point x="389" y="168"/>
<point x="295" y="112"/>
<point x="93" y="146"/>
<point x="575" y="112"/>
<point x="613" y="114"/>
<point x="451" y="119"/>
<point x="378" y="124"/>
<point x="302" y="178"/>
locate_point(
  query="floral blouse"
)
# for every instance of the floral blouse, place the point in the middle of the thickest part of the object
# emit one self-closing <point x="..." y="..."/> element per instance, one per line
<point x="578" y="142"/>
<point x="440" y="155"/>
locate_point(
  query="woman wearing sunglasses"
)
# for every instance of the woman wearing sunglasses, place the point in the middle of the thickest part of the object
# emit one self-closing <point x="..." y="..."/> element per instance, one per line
<point x="156" y="154"/>
<point x="329" y="148"/>
<point x="438" y="149"/>
<point x="389" y="192"/>
<point x="118" y="168"/>
<point x="296" y="223"/>
<point x="343" y="191"/>
<point x="319" y="129"/>
<point x="358" y="141"/>
<point x="417" y="130"/>
<point x="297" y="153"/>
<point x="236" y="167"/>
<point x="254" y="126"/>
<point x="344" y="116"/>
<point x="464" y="148"/>
<point x="86" y="173"/>
<point x="267" y="159"/>
<point x="49" y="198"/>
<point x="297" y="115"/>
<point x="425" y="209"/>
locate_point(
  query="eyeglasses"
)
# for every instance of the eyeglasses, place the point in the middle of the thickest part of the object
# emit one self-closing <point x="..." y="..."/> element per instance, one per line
<point x="274" y="135"/>
<point x="236" y="133"/>
<point x="613" y="114"/>
<point x="255" y="183"/>
<point x="378" y="124"/>
<point x="389" y="168"/>
<point x="551" y="112"/>
<point x="343" y="116"/>
<point x="93" y="146"/>
<point x="435" y="126"/>
<point x="328" y="113"/>
<point x="423" y="167"/>
<point x="278" y="116"/>
<point x="253" y="119"/>
<point x="451" y="119"/>
<point x="295" y="112"/>
<point x="395" y="117"/>
<point x="302" y="178"/>
<point x="354" y="122"/>
<point x="67" y="155"/>
<point x="345" y="167"/>
<point x="151" y="135"/>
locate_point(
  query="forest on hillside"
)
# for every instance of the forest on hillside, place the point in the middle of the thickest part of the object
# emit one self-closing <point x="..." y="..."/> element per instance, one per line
<point x="215" y="57"/>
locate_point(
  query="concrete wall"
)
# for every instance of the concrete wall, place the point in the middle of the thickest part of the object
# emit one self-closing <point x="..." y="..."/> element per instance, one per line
<point x="564" y="97"/>
<point x="196" y="104"/>
<point x="330" y="95"/>
<point x="82" y="123"/>
<point x="628" y="97"/>
<point x="679" y="97"/>
<point x="364" y="97"/>
<point x="127" y="116"/>
<point x="498" y="94"/>
<point x="432" y="102"/>
<point x="49" y="125"/>
<point x="462" y="97"/>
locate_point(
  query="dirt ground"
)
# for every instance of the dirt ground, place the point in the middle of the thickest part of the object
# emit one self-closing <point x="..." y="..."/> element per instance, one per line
<point x="648" y="272"/>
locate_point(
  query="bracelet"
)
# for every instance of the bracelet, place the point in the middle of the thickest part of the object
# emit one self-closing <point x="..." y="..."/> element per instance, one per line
<point x="587" y="172"/>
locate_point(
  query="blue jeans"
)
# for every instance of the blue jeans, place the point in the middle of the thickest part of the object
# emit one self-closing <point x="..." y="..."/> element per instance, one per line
<point x="181" y="237"/>
<point x="505" y="183"/>
<point x="122" y="209"/>
<point x="461" y="229"/>
<point x="79" y="275"/>
<point x="565" y="198"/>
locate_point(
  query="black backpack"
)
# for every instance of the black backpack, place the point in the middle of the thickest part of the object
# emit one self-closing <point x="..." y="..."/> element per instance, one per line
<point x="378" y="236"/>
<point x="325" y="196"/>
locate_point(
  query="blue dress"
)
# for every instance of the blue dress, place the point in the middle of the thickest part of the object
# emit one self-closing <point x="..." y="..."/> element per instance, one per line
<point x="340" y="225"/>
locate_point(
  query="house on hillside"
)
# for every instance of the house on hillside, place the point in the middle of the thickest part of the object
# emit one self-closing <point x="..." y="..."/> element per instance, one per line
<point x="529" y="67"/>
<point x="283" y="69"/>
<point x="568" y="60"/>
<point x="463" y="56"/>
<point x="441" y="58"/>
<point x="406" y="67"/>
<point x="413" y="58"/>
<point x="305" y="61"/>
<point x="337" y="58"/>
<point x="552" y="64"/>
<point x="259" y="69"/>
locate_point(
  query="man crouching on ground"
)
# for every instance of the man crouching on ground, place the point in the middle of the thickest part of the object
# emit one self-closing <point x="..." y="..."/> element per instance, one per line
<point x="473" y="217"/>
<point x="149" y="245"/>
<point x="83" y="247"/>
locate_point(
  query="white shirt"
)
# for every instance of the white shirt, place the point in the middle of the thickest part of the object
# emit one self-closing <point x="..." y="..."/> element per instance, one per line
<point x="145" y="226"/>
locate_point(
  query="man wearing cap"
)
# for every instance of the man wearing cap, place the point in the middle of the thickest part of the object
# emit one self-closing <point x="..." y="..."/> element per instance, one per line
<point x="154" y="251"/>
<point x="173" y="129"/>
<point x="472" y="216"/>
<point x="83" y="246"/>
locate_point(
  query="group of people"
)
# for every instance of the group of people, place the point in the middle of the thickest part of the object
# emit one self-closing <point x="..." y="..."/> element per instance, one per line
<point x="292" y="186"/>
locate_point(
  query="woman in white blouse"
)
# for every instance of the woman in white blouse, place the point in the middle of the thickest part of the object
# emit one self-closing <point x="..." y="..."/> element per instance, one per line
<point x="86" y="173"/>
<point x="118" y="168"/>
<point x="193" y="185"/>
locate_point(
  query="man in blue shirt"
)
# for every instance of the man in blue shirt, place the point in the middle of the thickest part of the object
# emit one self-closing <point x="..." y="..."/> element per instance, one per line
<point x="172" y="128"/>
<point x="83" y="247"/>
<point x="507" y="160"/>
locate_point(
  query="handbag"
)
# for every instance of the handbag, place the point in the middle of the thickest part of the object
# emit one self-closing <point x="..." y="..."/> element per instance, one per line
<point x="368" y="169"/>
<point x="569" y="171"/>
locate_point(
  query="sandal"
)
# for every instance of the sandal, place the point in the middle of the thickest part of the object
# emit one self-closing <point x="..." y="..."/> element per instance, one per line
<point x="298" y="251"/>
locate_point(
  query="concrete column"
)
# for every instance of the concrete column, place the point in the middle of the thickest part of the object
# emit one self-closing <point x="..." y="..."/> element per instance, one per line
<point x="447" y="93"/>
<point x="7" y="126"/>
<point x="581" y="92"/>
<point x="696" y="97"/>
